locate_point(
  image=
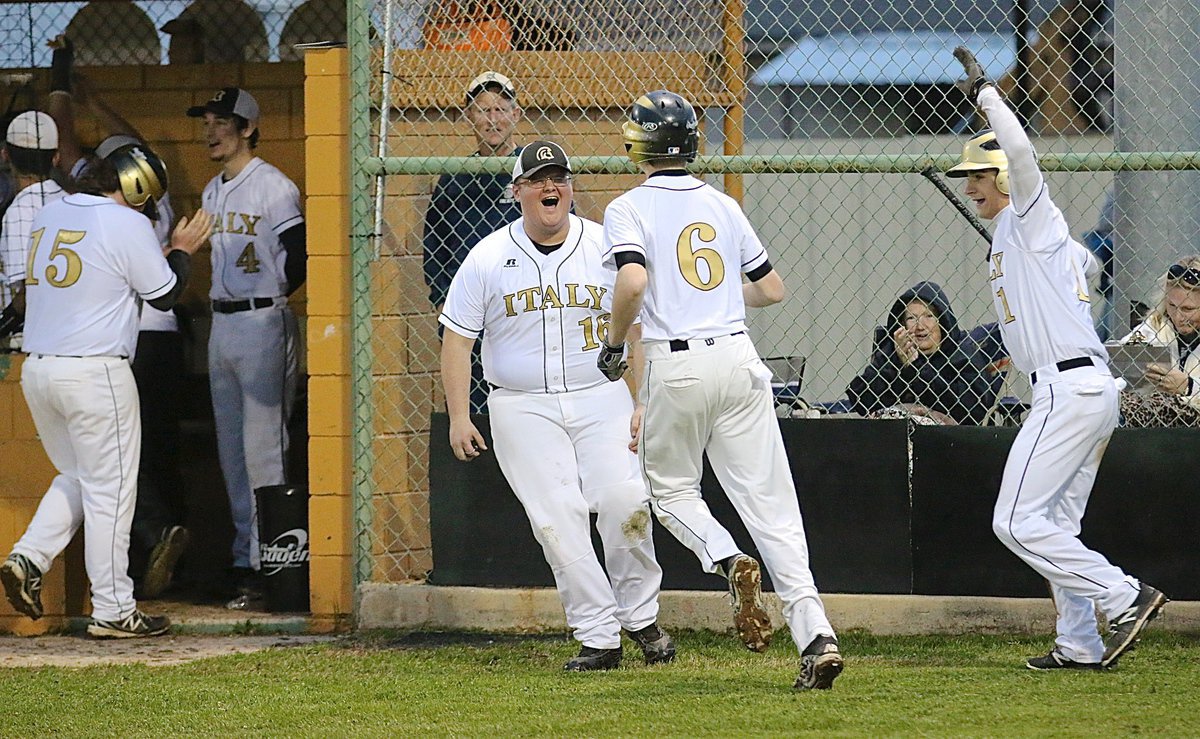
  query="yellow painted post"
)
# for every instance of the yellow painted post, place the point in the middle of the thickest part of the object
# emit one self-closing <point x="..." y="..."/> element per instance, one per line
<point x="733" y="73"/>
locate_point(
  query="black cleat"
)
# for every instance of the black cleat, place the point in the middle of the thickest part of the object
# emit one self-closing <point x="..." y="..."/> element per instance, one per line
<point x="136" y="624"/>
<point x="820" y="664"/>
<point x="1056" y="661"/>
<point x="1124" y="630"/>
<point x="23" y="585"/>
<point x="749" y="616"/>
<point x="656" y="644"/>
<point x="594" y="659"/>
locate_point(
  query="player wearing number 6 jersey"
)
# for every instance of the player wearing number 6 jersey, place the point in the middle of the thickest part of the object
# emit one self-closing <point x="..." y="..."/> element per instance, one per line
<point x="1037" y="277"/>
<point x="539" y="293"/>
<point x="681" y="248"/>
<point x="258" y="259"/>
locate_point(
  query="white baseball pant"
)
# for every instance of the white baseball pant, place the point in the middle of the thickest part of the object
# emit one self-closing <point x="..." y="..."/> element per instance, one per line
<point x="1044" y="493"/>
<point x="716" y="397"/>
<point x="85" y="410"/>
<point x="565" y="456"/>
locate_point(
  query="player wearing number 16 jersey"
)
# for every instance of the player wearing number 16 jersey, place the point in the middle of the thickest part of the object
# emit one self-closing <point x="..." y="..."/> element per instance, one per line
<point x="683" y="247"/>
<point x="1037" y="277"/>
<point x="258" y="259"/>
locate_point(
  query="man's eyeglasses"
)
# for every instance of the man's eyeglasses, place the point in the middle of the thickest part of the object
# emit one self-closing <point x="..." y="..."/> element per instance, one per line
<point x="1185" y="274"/>
<point x="558" y="180"/>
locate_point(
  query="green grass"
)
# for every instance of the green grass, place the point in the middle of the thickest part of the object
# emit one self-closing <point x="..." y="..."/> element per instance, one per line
<point x="469" y="685"/>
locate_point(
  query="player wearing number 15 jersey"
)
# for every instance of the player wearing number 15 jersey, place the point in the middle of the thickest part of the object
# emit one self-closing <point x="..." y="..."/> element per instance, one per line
<point x="681" y="249"/>
<point x="539" y="293"/>
<point x="258" y="259"/>
<point x="1037" y="276"/>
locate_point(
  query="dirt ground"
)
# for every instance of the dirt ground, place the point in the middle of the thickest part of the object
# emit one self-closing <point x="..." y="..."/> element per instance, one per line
<point x="80" y="651"/>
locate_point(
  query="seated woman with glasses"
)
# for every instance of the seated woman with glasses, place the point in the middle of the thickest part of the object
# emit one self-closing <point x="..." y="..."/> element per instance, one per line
<point x="1175" y="323"/>
<point x="924" y="367"/>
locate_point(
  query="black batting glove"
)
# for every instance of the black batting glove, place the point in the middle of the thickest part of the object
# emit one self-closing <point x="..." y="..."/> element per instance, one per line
<point x="976" y="77"/>
<point x="611" y="361"/>
<point x="60" y="63"/>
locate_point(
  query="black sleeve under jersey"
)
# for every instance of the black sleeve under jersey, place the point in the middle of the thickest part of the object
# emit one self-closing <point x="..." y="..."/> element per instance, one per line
<point x="629" y="257"/>
<point x="180" y="263"/>
<point x="295" y="263"/>
<point x="760" y="271"/>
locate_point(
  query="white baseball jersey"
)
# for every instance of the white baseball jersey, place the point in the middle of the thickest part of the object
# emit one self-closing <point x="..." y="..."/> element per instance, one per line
<point x="697" y="243"/>
<point x="17" y="225"/>
<point x="548" y="312"/>
<point x="250" y="212"/>
<point x="90" y="261"/>
<point x="1037" y="272"/>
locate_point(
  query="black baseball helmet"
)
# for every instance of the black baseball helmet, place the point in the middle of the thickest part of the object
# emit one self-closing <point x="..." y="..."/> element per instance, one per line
<point x="661" y="125"/>
<point x="143" y="175"/>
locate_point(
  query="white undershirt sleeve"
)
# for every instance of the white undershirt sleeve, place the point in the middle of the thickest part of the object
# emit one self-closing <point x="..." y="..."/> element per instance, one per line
<point x="1024" y="175"/>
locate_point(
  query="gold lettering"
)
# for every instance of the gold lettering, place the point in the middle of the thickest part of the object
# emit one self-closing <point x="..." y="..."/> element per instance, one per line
<point x="528" y="295"/>
<point x="508" y="305"/>
<point x="997" y="266"/>
<point x="250" y="222"/>
<point x="550" y="298"/>
<point x="231" y="226"/>
<point x="573" y="297"/>
<point x="598" y="294"/>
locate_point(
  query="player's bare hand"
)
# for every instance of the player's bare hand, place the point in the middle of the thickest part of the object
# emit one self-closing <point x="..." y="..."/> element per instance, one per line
<point x="1167" y="379"/>
<point x="906" y="345"/>
<point x="635" y="427"/>
<point x="611" y="361"/>
<point x="976" y="77"/>
<point x="191" y="233"/>
<point x="466" y="441"/>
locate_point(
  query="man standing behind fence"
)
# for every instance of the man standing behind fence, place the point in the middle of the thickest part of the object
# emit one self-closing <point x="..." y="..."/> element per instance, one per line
<point x="465" y="207"/>
<point x="683" y="246"/>
<point x="1037" y="278"/>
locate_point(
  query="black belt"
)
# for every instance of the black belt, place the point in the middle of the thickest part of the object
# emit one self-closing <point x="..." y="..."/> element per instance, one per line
<point x="681" y="345"/>
<point x="77" y="356"/>
<point x="237" y="306"/>
<point x="1067" y="364"/>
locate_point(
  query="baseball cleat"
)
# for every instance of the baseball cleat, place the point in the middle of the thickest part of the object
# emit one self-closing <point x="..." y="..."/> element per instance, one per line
<point x="590" y="659"/>
<point x="657" y="645"/>
<point x="1124" y="630"/>
<point x="136" y="624"/>
<point x="1056" y="661"/>
<point x="163" y="558"/>
<point x="820" y="664"/>
<point x="749" y="616"/>
<point x="23" y="585"/>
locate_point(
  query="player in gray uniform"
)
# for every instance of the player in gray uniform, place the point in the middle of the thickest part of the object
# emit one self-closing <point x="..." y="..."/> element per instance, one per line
<point x="258" y="259"/>
<point x="539" y="293"/>
<point x="1037" y="275"/>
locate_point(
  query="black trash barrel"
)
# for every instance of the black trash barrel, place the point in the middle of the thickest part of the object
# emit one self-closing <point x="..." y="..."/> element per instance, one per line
<point x="283" y="546"/>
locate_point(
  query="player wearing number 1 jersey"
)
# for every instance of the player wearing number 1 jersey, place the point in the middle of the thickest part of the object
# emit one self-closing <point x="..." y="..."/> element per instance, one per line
<point x="1037" y="276"/>
<point x="539" y="293"/>
<point x="258" y="259"/>
<point x="681" y="249"/>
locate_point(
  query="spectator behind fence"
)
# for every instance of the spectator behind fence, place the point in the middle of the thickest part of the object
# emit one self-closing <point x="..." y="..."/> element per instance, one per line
<point x="465" y="207"/>
<point x="1175" y="400"/>
<point x="923" y="362"/>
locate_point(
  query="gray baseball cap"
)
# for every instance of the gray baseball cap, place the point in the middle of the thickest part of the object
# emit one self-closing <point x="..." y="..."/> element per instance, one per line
<point x="537" y="156"/>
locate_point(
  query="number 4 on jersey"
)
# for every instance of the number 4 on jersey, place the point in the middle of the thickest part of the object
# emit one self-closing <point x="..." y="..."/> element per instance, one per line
<point x="247" y="260"/>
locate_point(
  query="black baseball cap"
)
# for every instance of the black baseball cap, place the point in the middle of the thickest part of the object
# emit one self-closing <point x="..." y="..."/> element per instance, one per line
<point x="229" y="101"/>
<point x="494" y="82"/>
<point x="539" y="155"/>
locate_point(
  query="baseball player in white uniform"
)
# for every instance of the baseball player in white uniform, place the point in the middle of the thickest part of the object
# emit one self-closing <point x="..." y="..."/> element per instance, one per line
<point x="681" y="248"/>
<point x="258" y="259"/>
<point x="31" y="149"/>
<point x="538" y="292"/>
<point x="1038" y="278"/>
<point x="93" y="258"/>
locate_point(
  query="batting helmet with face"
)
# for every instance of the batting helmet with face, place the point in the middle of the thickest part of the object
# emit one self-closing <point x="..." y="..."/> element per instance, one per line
<point x="661" y="125"/>
<point x="142" y="174"/>
<point x="980" y="154"/>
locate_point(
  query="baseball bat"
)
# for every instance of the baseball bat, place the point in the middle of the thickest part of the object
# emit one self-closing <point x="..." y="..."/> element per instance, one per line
<point x="931" y="174"/>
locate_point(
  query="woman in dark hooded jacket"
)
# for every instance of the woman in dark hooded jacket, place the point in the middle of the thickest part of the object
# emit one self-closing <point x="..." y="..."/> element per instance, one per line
<point x="922" y="359"/>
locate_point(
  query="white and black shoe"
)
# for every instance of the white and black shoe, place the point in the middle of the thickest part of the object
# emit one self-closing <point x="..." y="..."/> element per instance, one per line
<point x="820" y="664"/>
<point x="23" y="585"/>
<point x="1056" y="661"/>
<point x="133" y="626"/>
<point x="1124" y="630"/>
